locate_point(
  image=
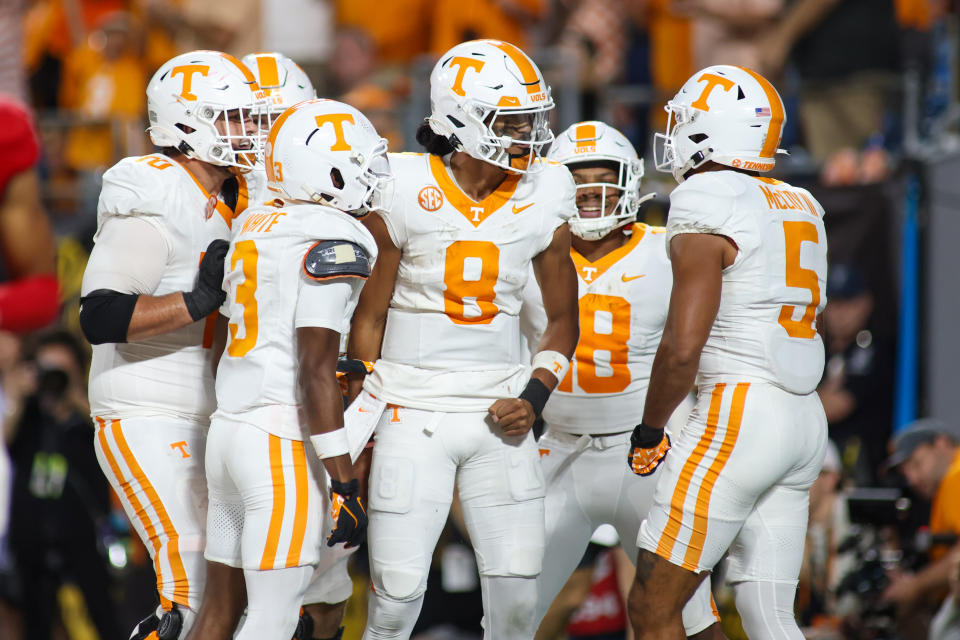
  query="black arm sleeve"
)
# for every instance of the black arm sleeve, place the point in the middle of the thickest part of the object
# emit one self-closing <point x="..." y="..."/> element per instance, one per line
<point x="105" y="315"/>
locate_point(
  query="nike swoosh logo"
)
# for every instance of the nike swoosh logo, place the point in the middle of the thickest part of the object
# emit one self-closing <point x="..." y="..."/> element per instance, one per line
<point x="628" y="279"/>
<point x="517" y="209"/>
<point x="362" y="410"/>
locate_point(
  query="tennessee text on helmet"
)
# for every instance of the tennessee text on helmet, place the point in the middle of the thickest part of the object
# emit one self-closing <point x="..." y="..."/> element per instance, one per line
<point x="729" y="115"/>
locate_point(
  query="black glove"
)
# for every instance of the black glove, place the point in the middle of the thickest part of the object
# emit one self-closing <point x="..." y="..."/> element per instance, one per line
<point x="348" y="512"/>
<point x="648" y="448"/>
<point x="208" y="294"/>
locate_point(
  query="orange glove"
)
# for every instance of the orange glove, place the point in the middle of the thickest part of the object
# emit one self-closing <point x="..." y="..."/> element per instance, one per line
<point x="648" y="448"/>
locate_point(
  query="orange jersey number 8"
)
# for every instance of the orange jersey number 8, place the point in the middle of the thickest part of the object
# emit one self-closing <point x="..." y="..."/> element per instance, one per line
<point x="470" y="274"/>
<point x="604" y="328"/>
<point x="245" y="252"/>
<point x="795" y="233"/>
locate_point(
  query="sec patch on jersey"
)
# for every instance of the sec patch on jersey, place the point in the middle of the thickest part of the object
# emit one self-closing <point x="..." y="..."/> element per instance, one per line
<point x="336" y="259"/>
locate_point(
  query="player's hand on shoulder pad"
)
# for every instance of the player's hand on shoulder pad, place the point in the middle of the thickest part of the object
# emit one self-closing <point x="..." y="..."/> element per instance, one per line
<point x="208" y="293"/>
<point x="648" y="448"/>
<point x="514" y="415"/>
<point x="348" y="513"/>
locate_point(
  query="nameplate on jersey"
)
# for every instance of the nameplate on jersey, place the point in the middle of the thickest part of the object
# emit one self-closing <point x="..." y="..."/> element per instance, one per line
<point x="336" y="259"/>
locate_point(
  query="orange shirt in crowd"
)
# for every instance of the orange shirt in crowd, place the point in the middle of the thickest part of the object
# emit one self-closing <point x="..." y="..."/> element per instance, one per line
<point x="457" y="20"/>
<point x="400" y="28"/>
<point x="101" y="89"/>
<point x="945" y="510"/>
<point x="47" y="26"/>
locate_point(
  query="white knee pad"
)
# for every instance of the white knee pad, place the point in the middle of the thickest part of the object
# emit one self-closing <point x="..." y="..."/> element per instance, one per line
<point x="389" y="619"/>
<point x="766" y="609"/>
<point x="509" y="607"/>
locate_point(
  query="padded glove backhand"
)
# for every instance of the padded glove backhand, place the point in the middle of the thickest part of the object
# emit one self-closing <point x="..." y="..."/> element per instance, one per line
<point x="348" y="512"/>
<point x="648" y="448"/>
<point x="208" y="294"/>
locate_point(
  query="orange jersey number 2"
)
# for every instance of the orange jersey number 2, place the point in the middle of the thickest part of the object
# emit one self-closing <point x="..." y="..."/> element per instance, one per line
<point x="795" y="233"/>
<point x="470" y="274"/>
<point x="245" y="252"/>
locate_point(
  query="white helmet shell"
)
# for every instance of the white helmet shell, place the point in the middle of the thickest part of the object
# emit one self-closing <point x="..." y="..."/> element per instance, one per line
<point x="595" y="142"/>
<point x="281" y="79"/>
<point x="327" y="152"/>
<point x="194" y="92"/>
<point x="483" y="85"/>
<point x="729" y="115"/>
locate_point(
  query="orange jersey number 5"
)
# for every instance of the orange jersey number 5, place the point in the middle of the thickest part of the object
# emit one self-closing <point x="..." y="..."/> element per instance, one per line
<point x="795" y="233"/>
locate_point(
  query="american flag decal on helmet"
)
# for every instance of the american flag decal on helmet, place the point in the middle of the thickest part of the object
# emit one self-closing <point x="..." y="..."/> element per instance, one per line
<point x="762" y="111"/>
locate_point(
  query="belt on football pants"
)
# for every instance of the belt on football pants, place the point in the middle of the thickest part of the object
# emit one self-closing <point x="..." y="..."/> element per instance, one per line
<point x="582" y="442"/>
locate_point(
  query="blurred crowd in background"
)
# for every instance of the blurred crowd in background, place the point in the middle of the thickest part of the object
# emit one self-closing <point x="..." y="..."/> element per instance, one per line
<point x="871" y="93"/>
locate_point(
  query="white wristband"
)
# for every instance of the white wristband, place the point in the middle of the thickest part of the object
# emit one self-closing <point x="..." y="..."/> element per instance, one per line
<point x="553" y="361"/>
<point x="331" y="444"/>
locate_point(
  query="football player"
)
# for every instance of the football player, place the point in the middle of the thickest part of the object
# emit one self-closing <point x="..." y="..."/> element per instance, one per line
<point x="439" y="317"/>
<point x="749" y="261"/>
<point x="294" y="274"/>
<point x="151" y="316"/>
<point x="285" y="85"/>
<point x="624" y="279"/>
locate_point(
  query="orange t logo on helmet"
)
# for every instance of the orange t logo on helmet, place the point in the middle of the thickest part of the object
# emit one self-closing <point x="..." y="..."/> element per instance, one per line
<point x="337" y="120"/>
<point x="713" y="80"/>
<point x="187" y="72"/>
<point x="462" y="65"/>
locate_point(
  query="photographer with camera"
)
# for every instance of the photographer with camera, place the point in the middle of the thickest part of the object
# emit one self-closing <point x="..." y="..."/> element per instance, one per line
<point x="927" y="453"/>
<point x="59" y="496"/>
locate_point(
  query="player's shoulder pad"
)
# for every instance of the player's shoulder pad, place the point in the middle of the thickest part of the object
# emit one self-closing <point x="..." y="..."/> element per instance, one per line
<point x="328" y="259"/>
<point x="139" y="185"/>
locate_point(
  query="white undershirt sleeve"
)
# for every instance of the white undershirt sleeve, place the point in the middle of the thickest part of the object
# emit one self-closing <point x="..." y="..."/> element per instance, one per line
<point x="130" y="256"/>
<point x="327" y="304"/>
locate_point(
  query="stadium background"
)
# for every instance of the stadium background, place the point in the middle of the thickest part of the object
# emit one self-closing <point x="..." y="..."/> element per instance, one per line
<point x="871" y="93"/>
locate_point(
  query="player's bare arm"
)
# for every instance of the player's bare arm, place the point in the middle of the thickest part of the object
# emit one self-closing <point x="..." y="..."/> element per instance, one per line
<point x="697" y="261"/>
<point x="557" y="278"/>
<point x="370" y="317"/>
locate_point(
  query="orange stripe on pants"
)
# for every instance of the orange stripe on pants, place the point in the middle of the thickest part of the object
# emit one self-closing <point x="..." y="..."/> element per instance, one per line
<point x="695" y="547"/>
<point x="300" y="517"/>
<point x="181" y="585"/>
<point x="279" y="498"/>
<point x="669" y="536"/>
<point x="138" y="509"/>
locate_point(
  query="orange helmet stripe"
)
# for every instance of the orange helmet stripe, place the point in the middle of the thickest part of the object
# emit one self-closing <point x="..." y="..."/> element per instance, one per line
<point x="243" y="69"/>
<point x="531" y="78"/>
<point x="268" y="71"/>
<point x="586" y="135"/>
<point x="776" y="115"/>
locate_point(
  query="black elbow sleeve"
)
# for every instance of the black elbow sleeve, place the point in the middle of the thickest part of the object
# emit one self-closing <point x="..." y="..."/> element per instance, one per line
<point x="105" y="315"/>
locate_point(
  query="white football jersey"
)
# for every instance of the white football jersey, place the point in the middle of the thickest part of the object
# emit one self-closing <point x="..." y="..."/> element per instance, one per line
<point x="765" y="329"/>
<point x="169" y="374"/>
<point x="269" y="295"/>
<point x="623" y="299"/>
<point x="452" y="340"/>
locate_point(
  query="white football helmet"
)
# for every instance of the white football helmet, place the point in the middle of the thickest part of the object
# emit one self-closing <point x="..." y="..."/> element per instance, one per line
<point x="327" y="152"/>
<point x="595" y="143"/>
<point x="487" y="96"/>
<point x="730" y="115"/>
<point x="281" y="79"/>
<point x="205" y="104"/>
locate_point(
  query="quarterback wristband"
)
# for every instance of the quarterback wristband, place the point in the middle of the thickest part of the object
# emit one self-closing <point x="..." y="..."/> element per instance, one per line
<point x="553" y="361"/>
<point x="537" y="394"/>
<point x="330" y="444"/>
<point x="644" y="436"/>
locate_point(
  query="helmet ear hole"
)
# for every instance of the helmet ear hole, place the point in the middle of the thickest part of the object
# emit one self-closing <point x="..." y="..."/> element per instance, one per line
<point x="337" y="178"/>
<point x="697" y="138"/>
<point x="185" y="128"/>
